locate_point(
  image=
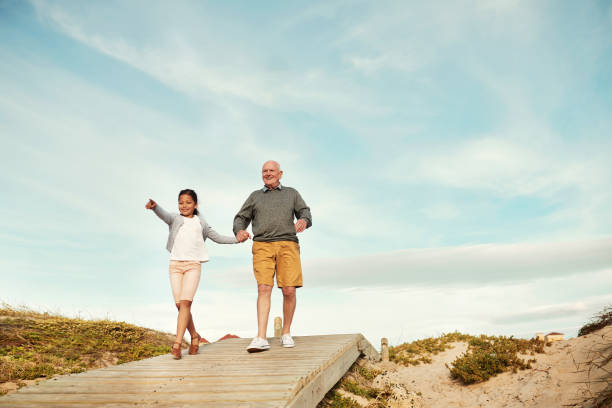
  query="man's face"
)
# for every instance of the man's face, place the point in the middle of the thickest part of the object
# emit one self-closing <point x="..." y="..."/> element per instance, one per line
<point x="271" y="174"/>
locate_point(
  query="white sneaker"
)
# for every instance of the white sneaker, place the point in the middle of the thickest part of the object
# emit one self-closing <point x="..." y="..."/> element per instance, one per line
<point x="258" y="344"/>
<point x="287" y="340"/>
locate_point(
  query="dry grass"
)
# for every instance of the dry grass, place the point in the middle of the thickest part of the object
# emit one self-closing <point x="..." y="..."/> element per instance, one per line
<point x="420" y="351"/>
<point x="35" y="345"/>
<point x="485" y="357"/>
<point x="600" y="358"/>
<point x="356" y="382"/>
<point x="600" y="320"/>
<point x="488" y="356"/>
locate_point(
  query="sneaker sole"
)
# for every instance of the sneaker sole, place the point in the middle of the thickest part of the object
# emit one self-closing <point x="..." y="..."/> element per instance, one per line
<point x="288" y="345"/>
<point x="257" y="349"/>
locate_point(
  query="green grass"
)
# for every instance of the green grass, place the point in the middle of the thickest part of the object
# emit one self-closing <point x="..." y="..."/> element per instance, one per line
<point x="35" y="345"/>
<point x="368" y="373"/>
<point x="486" y="356"/>
<point x="420" y="351"/>
<point x="357" y="389"/>
<point x="335" y="400"/>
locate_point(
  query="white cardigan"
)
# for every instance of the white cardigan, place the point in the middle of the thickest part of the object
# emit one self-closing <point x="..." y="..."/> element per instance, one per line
<point x="175" y="220"/>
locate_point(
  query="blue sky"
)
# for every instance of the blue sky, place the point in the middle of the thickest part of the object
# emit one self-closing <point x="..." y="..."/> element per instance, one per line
<point x="455" y="158"/>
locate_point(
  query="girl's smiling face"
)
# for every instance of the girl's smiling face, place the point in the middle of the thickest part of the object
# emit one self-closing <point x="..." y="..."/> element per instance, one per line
<point x="186" y="205"/>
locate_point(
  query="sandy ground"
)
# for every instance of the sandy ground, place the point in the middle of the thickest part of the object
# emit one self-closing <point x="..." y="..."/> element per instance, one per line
<point x="563" y="376"/>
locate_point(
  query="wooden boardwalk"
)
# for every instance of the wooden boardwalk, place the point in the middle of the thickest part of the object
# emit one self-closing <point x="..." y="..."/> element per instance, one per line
<point x="223" y="374"/>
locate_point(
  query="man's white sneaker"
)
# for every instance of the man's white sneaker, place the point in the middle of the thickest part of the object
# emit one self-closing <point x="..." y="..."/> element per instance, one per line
<point x="258" y="344"/>
<point x="287" y="340"/>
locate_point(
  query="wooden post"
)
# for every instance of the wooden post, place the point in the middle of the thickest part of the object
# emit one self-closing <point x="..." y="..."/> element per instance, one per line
<point x="278" y="326"/>
<point x="384" y="349"/>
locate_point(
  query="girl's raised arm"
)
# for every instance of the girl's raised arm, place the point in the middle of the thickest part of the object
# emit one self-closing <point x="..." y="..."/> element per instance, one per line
<point x="160" y="212"/>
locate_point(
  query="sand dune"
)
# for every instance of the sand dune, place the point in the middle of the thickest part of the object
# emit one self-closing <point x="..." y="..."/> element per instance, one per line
<point x="570" y="373"/>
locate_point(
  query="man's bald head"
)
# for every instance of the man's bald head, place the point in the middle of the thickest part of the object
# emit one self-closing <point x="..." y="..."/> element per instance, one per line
<point x="271" y="163"/>
<point x="271" y="174"/>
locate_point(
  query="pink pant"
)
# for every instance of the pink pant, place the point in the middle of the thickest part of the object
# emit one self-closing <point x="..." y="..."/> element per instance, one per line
<point x="184" y="279"/>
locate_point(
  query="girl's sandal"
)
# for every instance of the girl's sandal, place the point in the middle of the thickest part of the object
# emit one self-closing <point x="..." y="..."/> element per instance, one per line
<point x="193" y="348"/>
<point x="176" y="351"/>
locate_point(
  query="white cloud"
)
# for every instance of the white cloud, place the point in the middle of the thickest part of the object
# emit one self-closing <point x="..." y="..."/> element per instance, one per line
<point x="546" y="312"/>
<point x="441" y="211"/>
<point x="369" y="65"/>
<point x="465" y="265"/>
<point x="179" y="62"/>
<point x="409" y="38"/>
<point x="84" y="166"/>
<point x="468" y="265"/>
<point x="502" y="165"/>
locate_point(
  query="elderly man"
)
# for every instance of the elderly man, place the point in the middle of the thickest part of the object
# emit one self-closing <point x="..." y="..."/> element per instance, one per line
<point x="276" y="247"/>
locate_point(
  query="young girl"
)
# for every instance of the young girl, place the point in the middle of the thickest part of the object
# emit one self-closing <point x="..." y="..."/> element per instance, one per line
<point x="188" y="232"/>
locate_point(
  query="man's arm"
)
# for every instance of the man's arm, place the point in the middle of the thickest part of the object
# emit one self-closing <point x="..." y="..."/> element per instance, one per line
<point x="243" y="218"/>
<point x="302" y="213"/>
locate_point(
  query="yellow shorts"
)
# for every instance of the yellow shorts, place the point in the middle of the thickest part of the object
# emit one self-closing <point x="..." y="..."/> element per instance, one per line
<point x="280" y="257"/>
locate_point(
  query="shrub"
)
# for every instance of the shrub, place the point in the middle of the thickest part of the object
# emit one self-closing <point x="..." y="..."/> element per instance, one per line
<point x="357" y="381"/>
<point x="599" y="321"/>
<point x="355" y="388"/>
<point x="338" y="401"/>
<point x="420" y="351"/>
<point x="488" y="356"/>
<point x="368" y="373"/>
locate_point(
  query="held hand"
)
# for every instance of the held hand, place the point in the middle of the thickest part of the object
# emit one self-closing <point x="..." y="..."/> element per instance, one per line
<point x="242" y="235"/>
<point x="150" y="205"/>
<point x="300" y="225"/>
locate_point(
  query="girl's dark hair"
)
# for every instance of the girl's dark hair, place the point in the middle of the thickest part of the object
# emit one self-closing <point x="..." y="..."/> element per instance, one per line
<point x="191" y="194"/>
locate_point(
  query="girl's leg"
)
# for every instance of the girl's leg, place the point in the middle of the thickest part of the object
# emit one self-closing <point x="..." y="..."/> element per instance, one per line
<point x="191" y="279"/>
<point x="190" y="326"/>
<point x="176" y="283"/>
<point x="183" y="319"/>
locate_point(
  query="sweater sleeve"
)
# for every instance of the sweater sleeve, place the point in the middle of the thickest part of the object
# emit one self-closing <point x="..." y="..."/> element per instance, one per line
<point x="220" y="239"/>
<point x="301" y="210"/>
<point x="164" y="215"/>
<point x="244" y="216"/>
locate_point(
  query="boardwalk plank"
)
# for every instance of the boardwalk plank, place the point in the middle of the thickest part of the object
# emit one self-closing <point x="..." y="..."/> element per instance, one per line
<point x="172" y="386"/>
<point x="221" y="375"/>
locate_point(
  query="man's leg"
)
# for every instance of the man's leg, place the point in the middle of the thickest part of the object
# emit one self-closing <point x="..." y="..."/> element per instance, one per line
<point x="263" y="268"/>
<point x="289" y="302"/>
<point x="263" y="309"/>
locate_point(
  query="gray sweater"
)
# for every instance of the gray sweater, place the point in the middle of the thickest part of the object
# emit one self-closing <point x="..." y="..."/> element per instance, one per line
<point x="175" y="221"/>
<point x="272" y="213"/>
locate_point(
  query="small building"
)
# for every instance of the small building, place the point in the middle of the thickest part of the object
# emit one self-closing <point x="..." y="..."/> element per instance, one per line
<point x="554" y="336"/>
<point x="540" y="337"/>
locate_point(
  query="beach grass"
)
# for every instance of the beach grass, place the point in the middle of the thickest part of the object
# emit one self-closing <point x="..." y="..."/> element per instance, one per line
<point x="486" y="356"/>
<point x="357" y="382"/>
<point x="420" y="351"/>
<point x="600" y="320"/>
<point x="40" y="345"/>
